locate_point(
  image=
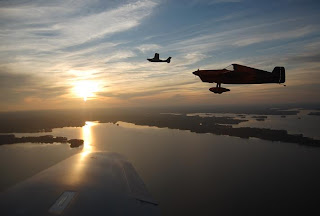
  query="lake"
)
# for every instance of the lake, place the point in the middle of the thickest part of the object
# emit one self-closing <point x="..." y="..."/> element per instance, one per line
<point x="190" y="173"/>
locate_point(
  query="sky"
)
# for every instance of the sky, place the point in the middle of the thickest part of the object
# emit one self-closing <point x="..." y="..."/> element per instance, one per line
<point x="74" y="53"/>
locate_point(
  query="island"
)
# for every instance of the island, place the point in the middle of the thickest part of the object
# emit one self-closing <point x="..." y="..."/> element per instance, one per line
<point x="260" y="118"/>
<point x="12" y="139"/>
<point x="241" y="115"/>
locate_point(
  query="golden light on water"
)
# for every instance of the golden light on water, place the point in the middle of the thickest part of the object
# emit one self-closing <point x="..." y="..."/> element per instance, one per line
<point x="87" y="137"/>
<point x="76" y="176"/>
<point x="85" y="89"/>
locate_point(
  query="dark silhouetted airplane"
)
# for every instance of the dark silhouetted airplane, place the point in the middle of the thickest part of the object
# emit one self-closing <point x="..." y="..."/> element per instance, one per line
<point x="240" y="75"/>
<point x="156" y="59"/>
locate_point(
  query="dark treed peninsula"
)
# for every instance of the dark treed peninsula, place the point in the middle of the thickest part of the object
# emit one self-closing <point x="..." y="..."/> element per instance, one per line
<point x="12" y="139"/>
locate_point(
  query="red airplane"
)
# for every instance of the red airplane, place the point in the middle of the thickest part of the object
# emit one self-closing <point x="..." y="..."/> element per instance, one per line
<point x="240" y="75"/>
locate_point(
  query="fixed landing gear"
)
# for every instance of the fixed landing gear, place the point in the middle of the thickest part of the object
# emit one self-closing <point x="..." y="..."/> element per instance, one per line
<point x="218" y="89"/>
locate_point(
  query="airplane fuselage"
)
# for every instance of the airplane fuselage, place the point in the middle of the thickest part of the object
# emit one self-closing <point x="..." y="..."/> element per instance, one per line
<point x="156" y="60"/>
<point x="250" y="76"/>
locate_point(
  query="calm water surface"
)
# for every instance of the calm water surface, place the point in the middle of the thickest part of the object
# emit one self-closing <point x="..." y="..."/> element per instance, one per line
<point x="189" y="173"/>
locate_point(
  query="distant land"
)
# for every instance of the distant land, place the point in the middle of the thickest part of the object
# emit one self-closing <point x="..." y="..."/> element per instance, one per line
<point x="260" y="118"/>
<point x="46" y="120"/>
<point x="12" y="139"/>
<point x="41" y="121"/>
<point x="216" y="125"/>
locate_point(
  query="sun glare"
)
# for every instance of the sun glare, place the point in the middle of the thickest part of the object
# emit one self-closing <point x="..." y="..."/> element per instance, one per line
<point x="86" y="89"/>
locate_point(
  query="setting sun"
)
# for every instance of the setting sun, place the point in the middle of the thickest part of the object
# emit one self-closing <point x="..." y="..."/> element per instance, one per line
<point x="85" y="89"/>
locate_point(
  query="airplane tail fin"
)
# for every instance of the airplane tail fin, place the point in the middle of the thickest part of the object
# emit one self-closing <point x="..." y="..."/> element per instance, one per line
<point x="280" y="74"/>
<point x="168" y="60"/>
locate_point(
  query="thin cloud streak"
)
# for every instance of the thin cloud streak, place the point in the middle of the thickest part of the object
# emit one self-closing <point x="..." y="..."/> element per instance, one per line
<point x="67" y="31"/>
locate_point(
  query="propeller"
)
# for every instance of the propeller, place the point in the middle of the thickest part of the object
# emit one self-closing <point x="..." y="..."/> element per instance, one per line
<point x="195" y="74"/>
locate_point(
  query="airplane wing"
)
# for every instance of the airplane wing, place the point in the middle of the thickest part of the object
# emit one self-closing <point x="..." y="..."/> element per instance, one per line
<point x="245" y="69"/>
<point x="242" y="68"/>
<point x="156" y="56"/>
<point x="99" y="183"/>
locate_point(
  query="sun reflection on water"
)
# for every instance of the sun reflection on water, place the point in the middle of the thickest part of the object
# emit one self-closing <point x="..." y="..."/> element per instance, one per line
<point x="87" y="137"/>
<point x="77" y="171"/>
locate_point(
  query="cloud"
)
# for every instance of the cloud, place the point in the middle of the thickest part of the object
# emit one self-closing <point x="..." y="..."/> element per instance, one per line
<point x="48" y="45"/>
<point x="224" y="1"/>
<point x="195" y="57"/>
<point x="306" y="53"/>
<point x="119" y="55"/>
<point x="15" y="88"/>
<point x="243" y="36"/>
<point x="98" y="25"/>
<point x="148" y="47"/>
<point x="271" y="36"/>
<point x="58" y="26"/>
<point x="155" y="86"/>
<point x="213" y="2"/>
<point x="305" y="58"/>
<point x="43" y="42"/>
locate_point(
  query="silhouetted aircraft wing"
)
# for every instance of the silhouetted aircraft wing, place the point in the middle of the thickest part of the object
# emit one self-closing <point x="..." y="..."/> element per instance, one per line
<point x="247" y="75"/>
<point x="98" y="183"/>
<point x="242" y="68"/>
